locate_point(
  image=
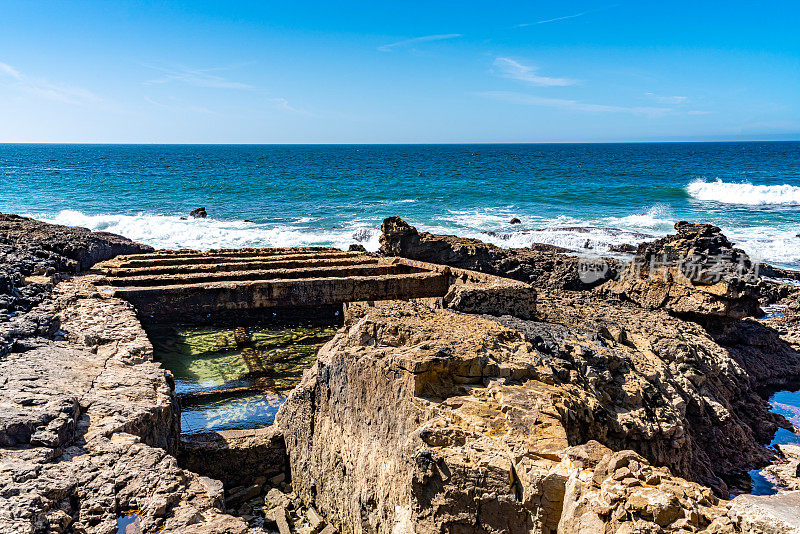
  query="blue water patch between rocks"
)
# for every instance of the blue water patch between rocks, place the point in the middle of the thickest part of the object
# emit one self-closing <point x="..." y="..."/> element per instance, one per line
<point x="787" y="404"/>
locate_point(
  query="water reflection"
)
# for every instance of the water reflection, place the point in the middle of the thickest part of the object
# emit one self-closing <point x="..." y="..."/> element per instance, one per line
<point x="230" y="378"/>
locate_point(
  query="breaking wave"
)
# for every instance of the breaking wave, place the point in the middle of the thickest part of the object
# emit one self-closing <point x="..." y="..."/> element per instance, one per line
<point x="744" y="193"/>
<point x="173" y="232"/>
<point x="589" y="236"/>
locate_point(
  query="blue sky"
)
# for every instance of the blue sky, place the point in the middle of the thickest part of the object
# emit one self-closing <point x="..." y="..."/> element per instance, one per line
<point x="376" y="72"/>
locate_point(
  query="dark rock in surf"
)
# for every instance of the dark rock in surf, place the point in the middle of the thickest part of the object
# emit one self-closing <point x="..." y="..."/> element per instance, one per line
<point x="541" y="265"/>
<point x="199" y="213"/>
<point x="514" y="220"/>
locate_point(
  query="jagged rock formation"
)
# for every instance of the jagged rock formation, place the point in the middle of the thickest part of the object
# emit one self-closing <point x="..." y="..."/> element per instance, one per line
<point x="33" y="255"/>
<point x="698" y="380"/>
<point x="543" y="266"/>
<point x="695" y="272"/>
<point x="620" y="492"/>
<point x="71" y="249"/>
<point x="668" y="389"/>
<point x="484" y="412"/>
<point x="497" y="408"/>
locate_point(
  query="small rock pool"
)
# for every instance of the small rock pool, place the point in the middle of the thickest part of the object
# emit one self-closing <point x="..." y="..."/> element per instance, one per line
<point x="235" y="377"/>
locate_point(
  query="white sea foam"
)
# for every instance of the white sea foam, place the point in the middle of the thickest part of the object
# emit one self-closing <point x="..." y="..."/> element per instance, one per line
<point x="768" y="244"/>
<point x="172" y="232"/>
<point x="656" y="219"/>
<point x="744" y="193"/>
<point x="593" y="240"/>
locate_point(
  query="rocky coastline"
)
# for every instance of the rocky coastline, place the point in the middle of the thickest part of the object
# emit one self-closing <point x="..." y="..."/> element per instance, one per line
<point x="629" y="401"/>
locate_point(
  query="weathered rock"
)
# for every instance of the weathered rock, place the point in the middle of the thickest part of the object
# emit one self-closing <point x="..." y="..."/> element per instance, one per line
<point x="239" y="495"/>
<point x="259" y="452"/>
<point x="697" y="272"/>
<point x="625" y="248"/>
<point x="483" y="410"/>
<point x="314" y="520"/>
<point x="621" y="492"/>
<point x="86" y="429"/>
<point x="785" y="472"/>
<point x="419" y="416"/>
<point x="493" y="300"/>
<point x="33" y="255"/>
<point x="539" y="265"/>
<point x="82" y="246"/>
<point x="772" y="514"/>
<point x="514" y="220"/>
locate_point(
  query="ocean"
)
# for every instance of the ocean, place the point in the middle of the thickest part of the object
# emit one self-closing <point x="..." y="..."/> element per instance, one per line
<point x="581" y="196"/>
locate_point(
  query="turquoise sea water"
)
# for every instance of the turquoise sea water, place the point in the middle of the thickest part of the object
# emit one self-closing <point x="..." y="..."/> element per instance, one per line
<point x="337" y="195"/>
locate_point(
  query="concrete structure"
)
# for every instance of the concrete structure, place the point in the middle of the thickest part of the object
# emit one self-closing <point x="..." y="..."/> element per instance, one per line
<point x="208" y="286"/>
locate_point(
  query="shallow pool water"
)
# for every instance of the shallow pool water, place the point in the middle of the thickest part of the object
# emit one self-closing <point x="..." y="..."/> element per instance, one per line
<point x="786" y="403"/>
<point x="234" y="378"/>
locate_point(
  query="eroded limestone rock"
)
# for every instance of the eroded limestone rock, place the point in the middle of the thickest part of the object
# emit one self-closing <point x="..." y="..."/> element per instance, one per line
<point x="696" y="272"/>
<point x="771" y="514"/>
<point x="431" y="420"/>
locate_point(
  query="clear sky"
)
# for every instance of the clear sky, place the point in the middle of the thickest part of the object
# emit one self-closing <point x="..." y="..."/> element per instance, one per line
<point x="395" y="72"/>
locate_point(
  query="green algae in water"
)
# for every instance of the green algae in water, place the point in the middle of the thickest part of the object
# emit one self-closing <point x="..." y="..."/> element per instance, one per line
<point x="264" y="363"/>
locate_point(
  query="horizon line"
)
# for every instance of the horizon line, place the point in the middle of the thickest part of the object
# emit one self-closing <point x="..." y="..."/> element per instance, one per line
<point x="118" y="143"/>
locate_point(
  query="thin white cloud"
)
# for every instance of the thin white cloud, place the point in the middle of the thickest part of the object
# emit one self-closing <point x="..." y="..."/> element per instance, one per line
<point x="284" y="104"/>
<point x="566" y="17"/>
<point x="508" y="68"/>
<point x="196" y="77"/>
<point x="10" y="71"/>
<point x="662" y="99"/>
<point x="43" y="88"/>
<point x="424" y="38"/>
<point x="573" y="105"/>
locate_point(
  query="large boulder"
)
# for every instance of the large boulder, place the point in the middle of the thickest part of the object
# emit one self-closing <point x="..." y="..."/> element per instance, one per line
<point x="696" y="272"/>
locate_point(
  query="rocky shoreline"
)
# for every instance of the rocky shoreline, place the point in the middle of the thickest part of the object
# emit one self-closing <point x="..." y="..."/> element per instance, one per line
<point x="631" y="401"/>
